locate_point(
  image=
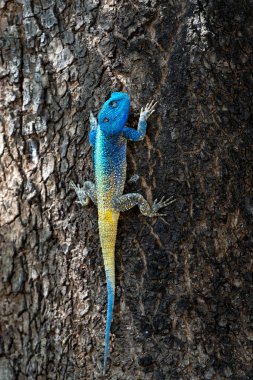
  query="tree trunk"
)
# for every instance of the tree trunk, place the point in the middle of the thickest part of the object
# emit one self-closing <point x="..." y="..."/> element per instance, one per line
<point x="184" y="281"/>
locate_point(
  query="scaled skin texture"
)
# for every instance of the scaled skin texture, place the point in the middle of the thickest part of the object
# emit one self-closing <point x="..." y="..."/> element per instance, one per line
<point x="108" y="138"/>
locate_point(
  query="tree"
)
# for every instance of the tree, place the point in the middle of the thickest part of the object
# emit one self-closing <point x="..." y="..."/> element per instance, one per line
<point x="184" y="282"/>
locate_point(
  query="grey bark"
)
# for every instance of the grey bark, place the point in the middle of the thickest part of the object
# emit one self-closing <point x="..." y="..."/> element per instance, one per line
<point x="184" y="282"/>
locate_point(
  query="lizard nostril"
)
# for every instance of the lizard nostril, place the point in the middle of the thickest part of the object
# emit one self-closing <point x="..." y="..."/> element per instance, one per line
<point x="105" y="120"/>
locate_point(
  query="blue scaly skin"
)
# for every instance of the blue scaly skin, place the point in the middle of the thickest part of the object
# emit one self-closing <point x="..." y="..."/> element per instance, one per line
<point x="108" y="138"/>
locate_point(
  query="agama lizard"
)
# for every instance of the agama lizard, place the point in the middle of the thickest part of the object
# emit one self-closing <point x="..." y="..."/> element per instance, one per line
<point x="108" y="138"/>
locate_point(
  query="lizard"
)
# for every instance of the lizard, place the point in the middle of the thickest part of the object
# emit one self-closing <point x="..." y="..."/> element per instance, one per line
<point x="108" y="137"/>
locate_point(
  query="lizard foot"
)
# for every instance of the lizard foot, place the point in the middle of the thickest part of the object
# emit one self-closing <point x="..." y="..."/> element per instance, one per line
<point x="148" y="110"/>
<point x="83" y="199"/>
<point x="158" y="205"/>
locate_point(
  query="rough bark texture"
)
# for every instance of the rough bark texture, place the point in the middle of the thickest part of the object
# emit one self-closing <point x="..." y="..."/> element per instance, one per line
<point x="184" y="282"/>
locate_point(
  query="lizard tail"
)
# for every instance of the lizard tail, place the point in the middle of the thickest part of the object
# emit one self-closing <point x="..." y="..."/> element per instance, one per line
<point x="108" y="221"/>
<point x="110" y="304"/>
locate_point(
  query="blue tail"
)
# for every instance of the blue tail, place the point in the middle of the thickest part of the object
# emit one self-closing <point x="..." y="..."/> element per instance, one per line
<point x="110" y="303"/>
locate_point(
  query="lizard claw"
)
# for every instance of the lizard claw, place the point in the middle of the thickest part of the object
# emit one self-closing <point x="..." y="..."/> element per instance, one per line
<point x="148" y="110"/>
<point x="72" y="185"/>
<point x="82" y="197"/>
<point x="158" y="205"/>
<point x="151" y="106"/>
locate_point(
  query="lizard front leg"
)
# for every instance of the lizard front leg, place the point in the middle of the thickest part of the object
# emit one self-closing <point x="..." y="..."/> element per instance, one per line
<point x="127" y="201"/>
<point x="93" y="129"/>
<point x="139" y="134"/>
<point x="85" y="193"/>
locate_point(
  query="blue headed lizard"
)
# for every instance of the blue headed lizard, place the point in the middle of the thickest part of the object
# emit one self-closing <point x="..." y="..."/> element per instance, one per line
<point x="108" y="138"/>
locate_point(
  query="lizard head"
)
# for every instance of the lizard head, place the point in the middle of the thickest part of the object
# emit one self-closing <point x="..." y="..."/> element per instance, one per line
<point x="114" y="113"/>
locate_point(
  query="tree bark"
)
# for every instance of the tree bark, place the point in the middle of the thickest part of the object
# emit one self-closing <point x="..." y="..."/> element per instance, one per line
<point x="183" y="305"/>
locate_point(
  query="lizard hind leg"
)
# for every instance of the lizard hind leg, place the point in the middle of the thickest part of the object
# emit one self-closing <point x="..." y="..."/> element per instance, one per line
<point x="127" y="201"/>
<point x="85" y="193"/>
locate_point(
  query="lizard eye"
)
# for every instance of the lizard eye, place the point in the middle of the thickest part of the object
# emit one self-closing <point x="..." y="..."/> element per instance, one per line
<point x="105" y="120"/>
<point x="113" y="104"/>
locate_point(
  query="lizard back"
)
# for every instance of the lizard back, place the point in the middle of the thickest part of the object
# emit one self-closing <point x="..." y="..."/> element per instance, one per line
<point x="110" y="173"/>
